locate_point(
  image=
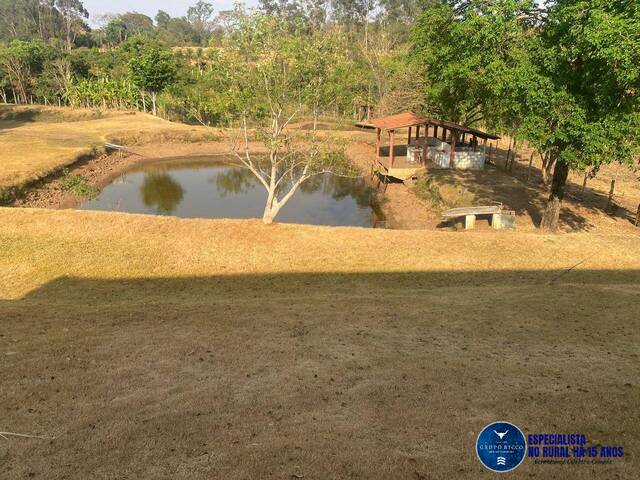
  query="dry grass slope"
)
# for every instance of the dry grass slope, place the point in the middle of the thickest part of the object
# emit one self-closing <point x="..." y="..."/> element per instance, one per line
<point x="37" y="141"/>
<point x="165" y="348"/>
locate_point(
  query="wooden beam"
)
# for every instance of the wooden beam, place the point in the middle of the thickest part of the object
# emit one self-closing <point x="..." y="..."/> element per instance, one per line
<point x="425" y="146"/>
<point x="378" y="142"/>
<point x="391" y="152"/>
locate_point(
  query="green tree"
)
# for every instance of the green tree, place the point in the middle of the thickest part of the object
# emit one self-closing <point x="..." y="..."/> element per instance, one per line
<point x="199" y="16"/>
<point x="153" y="70"/>
<point x="591" y="53"/>
<point x="115" y="31"/>
<point x="470" y="58"/>
<point x="280" y="73"/>
<point x="22" y="62"/>
<point x="565" y="79"/>
<point x="73" y="15"/>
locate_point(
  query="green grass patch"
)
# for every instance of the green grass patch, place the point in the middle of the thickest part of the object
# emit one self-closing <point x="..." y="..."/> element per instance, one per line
<point x="442" y="192"/>
<point x="78" y="185"/>
<point x="427" y="189"/>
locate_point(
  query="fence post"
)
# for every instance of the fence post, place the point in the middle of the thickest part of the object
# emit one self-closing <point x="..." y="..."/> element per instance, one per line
<point x="610" y="199"/>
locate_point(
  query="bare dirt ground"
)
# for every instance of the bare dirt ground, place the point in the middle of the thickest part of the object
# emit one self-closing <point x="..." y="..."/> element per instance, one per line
<point x="162" y="348"/>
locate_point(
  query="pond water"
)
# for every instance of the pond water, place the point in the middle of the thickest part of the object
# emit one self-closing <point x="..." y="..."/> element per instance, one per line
<point x="209" y="188"/>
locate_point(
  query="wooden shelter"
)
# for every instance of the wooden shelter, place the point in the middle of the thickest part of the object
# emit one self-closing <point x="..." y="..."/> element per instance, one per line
<point x="401" y="170"/>
<point x="440" y="128"/>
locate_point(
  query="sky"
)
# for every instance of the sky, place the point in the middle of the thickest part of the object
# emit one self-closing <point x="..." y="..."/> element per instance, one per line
<point x="176" y="8"/>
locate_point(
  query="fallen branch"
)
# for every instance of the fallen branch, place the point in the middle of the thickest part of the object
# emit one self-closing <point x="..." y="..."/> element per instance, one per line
<point x="564" y="272"/>
<point x="5" y="435"/>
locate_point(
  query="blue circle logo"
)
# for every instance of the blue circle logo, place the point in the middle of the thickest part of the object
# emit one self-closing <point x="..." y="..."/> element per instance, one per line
<point x="501" y="446"/>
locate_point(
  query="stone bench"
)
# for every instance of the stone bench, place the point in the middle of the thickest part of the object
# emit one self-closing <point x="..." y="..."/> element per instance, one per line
<point x="470" y="213"/>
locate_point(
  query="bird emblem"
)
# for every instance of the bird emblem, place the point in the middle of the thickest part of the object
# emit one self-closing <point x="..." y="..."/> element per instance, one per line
<point x="501" y="435"/>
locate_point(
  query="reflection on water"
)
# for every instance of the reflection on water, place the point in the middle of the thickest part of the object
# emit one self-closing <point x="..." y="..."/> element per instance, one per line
<point x="161" y="192"/>
<point x="209" y="189"/>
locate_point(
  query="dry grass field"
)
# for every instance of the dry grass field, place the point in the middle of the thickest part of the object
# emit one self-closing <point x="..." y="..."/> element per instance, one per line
<point x="36" y="141"/>
<point x="184" y="349"/>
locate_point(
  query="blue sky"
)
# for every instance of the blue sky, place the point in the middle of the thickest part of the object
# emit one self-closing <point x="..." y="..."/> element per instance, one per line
<point x="176" y="8"/>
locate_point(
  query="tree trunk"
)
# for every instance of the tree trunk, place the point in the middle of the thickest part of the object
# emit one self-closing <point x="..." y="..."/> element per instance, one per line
<point x="506" y="162"/>
<point x="551" y="216"/>
<point x="547" y="164"/>
<point x="268" y="217"/>
<point x="584" y="184"/>
<point x="514" y="154"/>
<point x="153" y="101"/>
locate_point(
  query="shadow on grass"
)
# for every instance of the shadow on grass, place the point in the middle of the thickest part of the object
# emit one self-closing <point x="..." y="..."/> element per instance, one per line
<point x="378" y="372"/>
<point x="296" y="286"/>
<point x="534" y="194"/>
<point x="9" y="118"/>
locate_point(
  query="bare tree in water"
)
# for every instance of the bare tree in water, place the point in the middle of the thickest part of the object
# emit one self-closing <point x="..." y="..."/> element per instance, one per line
<point x="287" y="77"/>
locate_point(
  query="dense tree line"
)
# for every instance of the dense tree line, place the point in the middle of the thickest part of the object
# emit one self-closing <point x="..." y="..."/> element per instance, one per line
<point x="49" y="54"/>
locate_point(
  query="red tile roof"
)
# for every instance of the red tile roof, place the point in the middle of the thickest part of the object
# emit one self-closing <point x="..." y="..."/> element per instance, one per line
<point x="402" y="120"/>
<point x="410" y="119"/>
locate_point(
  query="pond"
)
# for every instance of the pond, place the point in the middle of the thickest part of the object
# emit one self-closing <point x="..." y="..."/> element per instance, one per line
<point x="209" y="188"/>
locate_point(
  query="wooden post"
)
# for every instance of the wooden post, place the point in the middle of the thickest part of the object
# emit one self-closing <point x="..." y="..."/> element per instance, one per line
<point x="418" y="132"/>
<point x="584" y="184"/>
<point x="475" y="143"/>
<point x="514" y="154"/>
<point x="464" y="135"/>
<point x="409" y="137"/>
<point x="435" y="131"/>
<point x="490" y="150"/>
<point x="506" y="162"/>
<point x="452" y="158"/>
<point x="425" y="146"/>
<point x="379" y="131"/>
<point x="444" y="134"/>
<point x="530" y="165"/>
<point x="610" y="199"/>
<point x="391" y="153"/>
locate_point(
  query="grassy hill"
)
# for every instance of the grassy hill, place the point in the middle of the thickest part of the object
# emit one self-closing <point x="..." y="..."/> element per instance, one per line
<point x="229" y="349"/>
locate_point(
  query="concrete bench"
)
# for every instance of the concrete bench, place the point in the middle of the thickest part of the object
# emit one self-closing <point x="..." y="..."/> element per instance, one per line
<point x="470" y="213"/>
